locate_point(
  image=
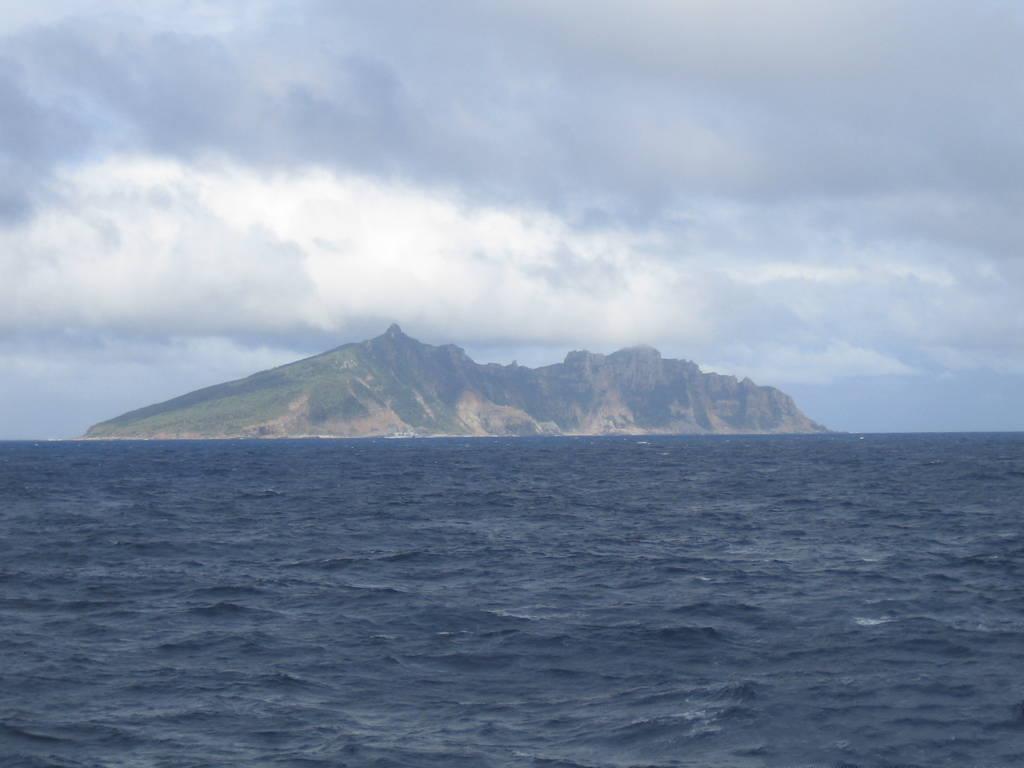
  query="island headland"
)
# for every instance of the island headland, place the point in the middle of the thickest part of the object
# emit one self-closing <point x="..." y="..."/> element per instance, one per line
<point x="394" y="385"/>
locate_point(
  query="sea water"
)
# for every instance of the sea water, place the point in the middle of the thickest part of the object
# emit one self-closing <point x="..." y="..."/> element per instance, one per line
<point x="714" y="601"/>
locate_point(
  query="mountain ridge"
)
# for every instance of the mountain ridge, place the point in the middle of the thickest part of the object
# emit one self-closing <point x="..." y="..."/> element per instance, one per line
<point x="393" y="384"/>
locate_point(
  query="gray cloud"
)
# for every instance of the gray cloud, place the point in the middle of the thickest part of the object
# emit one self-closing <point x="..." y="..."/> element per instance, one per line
<point x="836" y="185"/>
<point x="629" y="108"/>
<point x="33" y="138"/>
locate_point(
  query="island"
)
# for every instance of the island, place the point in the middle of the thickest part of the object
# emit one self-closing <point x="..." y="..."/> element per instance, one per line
<point x="394" y="385"/>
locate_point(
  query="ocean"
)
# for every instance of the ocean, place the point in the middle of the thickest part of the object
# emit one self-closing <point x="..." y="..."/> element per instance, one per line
<point x="833" y="600"/>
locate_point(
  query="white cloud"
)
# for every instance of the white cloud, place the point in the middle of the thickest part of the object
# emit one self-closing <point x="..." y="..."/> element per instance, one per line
<point x="780" y="364"/>
<point x="136" y="245"/>
<point x="161" y="246"/>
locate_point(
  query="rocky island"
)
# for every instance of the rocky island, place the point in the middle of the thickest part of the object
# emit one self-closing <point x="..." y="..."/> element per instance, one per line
<point x="396" y="385"/>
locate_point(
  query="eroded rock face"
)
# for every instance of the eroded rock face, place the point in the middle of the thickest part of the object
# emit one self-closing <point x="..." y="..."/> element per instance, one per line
<point x="393" y="384"/>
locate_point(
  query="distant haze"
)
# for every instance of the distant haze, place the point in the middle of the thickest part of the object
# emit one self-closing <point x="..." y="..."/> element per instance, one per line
<point x="825" y="197"/>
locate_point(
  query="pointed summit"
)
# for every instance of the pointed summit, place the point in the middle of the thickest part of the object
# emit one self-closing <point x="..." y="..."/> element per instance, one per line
<point x="392" y="336"/>
<point x="394" y="384"/>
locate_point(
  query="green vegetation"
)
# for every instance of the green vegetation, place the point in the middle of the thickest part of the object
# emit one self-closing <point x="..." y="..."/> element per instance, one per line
<point x="394" y="384"/>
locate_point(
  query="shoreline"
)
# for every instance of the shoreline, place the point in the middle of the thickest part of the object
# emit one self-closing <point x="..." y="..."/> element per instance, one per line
<point x="198" y="438"/>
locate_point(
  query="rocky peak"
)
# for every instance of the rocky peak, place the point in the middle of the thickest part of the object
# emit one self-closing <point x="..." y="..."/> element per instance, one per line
<point x="394" y="383"/>
<point x="393" y="336"/>
<point x="580" y="357"/>
<point x="639" y="354"/>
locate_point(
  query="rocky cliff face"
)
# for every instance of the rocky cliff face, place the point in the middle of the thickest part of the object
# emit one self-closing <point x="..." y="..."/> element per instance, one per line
<point x="393" y="384"/>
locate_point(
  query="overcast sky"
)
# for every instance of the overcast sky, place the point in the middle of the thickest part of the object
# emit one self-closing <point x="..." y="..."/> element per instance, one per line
<point x="825" y="196"/>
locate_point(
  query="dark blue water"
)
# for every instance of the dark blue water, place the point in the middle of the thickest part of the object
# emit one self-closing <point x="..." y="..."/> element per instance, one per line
<point x="535" y="602"/>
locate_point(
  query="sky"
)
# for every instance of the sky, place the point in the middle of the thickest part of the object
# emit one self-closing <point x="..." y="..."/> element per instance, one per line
<point x="825" y="197"/>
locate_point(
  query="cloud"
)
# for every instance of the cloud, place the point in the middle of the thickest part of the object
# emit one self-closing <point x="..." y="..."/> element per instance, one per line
<point x="807" y="191"/>
<point x="34" y="136"/>
<point x="630" y="108"/>
<point x="784" y="364"/>
<point x="137" y="245"/>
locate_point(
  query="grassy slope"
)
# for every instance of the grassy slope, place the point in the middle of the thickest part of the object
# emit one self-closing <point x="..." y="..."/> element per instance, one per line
<point x="395" y="376"/>
<point x="229" y="408"/>
<point x="332" y="382"/>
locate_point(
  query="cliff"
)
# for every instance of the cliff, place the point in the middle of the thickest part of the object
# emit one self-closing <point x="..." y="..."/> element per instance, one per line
<point x="393" y="384"/>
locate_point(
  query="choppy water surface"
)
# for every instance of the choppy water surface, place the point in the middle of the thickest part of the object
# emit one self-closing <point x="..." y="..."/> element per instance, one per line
<point x="790" y="601"/>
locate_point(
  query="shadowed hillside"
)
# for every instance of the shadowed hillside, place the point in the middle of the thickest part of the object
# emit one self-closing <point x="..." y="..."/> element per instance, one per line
<point x="394" y="384"/>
